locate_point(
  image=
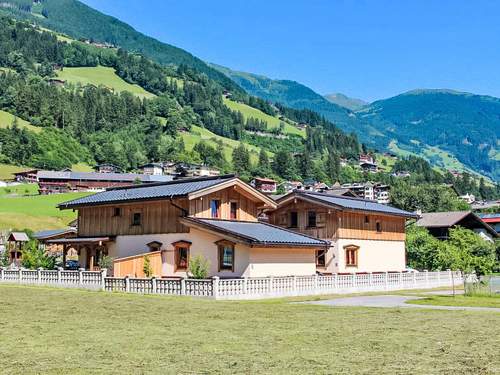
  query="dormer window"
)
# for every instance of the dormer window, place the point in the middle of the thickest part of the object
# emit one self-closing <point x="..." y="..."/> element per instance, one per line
<point x="311" y="219"/>
<point x="294" y="219"/>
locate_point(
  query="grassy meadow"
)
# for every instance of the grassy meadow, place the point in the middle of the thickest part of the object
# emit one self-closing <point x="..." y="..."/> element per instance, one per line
<point x="6" y="120"/>
<point x="198" y="134"/>
<point x="35" y="212"/>
<point x="101" y="75"/>
<point x="7" y="171"/>
<point x="273" y="122"/>
<point x="61" y="331"/>
<point x="460" y="300"/>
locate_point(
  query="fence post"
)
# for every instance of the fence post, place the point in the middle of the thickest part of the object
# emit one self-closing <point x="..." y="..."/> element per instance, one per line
<point x="59" y="279"/>
<point x="183" y="287"/>
<point x="400" y="280"/>
<point x="426" y="278"/>
<point x="153" y="284"/>
<point x="215" y="286"/>
<point x="354" y="281"/>
<point x="316" y="284"/>
<point x="245" y="284"/>
<point x="294" y="284"/>
<point x="80" y="276"/>
<point x="271" y="281"/>
<point x="386" y="280"/>
<point x="336" y="282"/>
<point x="127" y="284"/>
<point x="104" y="273"/>
<point x="20" y="275"/>
<point x="370" y="280"/>
<point x="1" y="273"/>
<point x="39" y="275"/>
<point x="414" y="279"/>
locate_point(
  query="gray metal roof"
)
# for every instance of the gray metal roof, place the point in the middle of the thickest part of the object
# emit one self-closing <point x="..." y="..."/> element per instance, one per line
<point x="95" y="176"/>
<point x="260" y="233"/>
<point x="441" y="219"/>
<point x="53" y="232"/>
<point x="170" y="189"/>
<point x="353" y="203"/>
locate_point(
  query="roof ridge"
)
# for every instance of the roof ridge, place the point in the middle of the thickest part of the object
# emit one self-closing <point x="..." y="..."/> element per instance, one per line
<point x="336" y="196"/>
<point x="173" y="182"/>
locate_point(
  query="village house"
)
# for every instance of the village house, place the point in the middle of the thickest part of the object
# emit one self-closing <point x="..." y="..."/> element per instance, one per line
<point x="364" y="236"/>
<point x="264" y="185"/>
<point x="439" y="224"/>
<point x="107" y="168"/>
<point x="154" y="169"/>
<point x="493" y="220"/>
<point x="172" y="222"/>
<point x="289" y="186"/>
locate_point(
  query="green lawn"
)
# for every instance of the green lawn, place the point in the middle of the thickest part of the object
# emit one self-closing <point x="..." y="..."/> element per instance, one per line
<point x="6" y="119"/>
<point x="273" y="122"/>
<point x="101" y="75"/>
<point x="473" y="301"/>
<point x="19" y="190"/>
<point x="62" y="331"/>
<point x="36" y="212"/>
<point x="197" y="134"/>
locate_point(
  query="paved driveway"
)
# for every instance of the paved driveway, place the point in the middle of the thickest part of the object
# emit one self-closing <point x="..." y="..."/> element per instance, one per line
<point x="391" y="301"/>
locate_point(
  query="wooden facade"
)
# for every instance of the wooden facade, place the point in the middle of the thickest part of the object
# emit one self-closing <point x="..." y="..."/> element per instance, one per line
<point x="162" y="216"/>
<point x="332" y="224"/>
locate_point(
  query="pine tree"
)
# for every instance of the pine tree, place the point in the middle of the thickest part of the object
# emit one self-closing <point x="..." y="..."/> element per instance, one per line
<point x="241" y="159"/>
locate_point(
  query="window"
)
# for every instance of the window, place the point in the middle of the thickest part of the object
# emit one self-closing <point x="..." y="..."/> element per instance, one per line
<point x="351" y="256"/>
<point x="234" y="210"/>
<point x="311" y="219"/>
<point x="367" y="219"/>
<point x="320" y="258"/>
<point x="294" y="219"/>
<point x="136" y="218"/>
<point x="226" y="256"/>
<point x="379" y="226"/>
<point x="215" y="208"/>
<point x="117" y="211"/>
<point x="181" y="254"/>
<point x="182" y="257"/>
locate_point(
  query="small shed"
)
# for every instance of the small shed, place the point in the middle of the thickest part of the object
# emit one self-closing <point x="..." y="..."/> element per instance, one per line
<point x="15" y="245"/>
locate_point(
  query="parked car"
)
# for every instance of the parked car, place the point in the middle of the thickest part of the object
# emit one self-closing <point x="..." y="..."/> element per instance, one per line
<point x="72" y="265"/>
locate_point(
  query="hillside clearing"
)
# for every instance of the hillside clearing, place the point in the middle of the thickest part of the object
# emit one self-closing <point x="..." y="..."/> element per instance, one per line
<point x="36" y="212"/>
<point x="7" y="171"/>
<point x="198" y="134"/>
<point x="130" y="334"/>
<point x="6" y="120"/>
<point x="273" y="122"/>
<point x="101" y="75"/>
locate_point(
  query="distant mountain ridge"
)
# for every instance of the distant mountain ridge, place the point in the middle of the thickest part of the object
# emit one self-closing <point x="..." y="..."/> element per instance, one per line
<point x="446" y="127"/>
<point x="345" y="101"/>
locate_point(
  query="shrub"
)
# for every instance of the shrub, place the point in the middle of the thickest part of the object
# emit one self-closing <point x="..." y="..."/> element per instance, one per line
<point x="34" y="257"/>
<point x="146" y="268"/>
<point x="106" y="262"/>
<point x="198" y="267"/>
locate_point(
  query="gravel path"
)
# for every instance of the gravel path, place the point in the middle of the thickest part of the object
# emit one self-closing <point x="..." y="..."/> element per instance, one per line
<point x="392" y="301"/>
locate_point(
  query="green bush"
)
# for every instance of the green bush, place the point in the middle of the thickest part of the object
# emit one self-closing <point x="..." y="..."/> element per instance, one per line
<point x="106" y="262"/>
<point x="34" y="257"/>
<point x="146" y="268"/>
<point x="198" y="267"/>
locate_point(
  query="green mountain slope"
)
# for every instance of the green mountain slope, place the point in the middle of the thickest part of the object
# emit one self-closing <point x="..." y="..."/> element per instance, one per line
<point x="291" y="94"/>
<point x="464" y="125"/>
<point x="78" y="20"/>
<point x="344" y="101"/>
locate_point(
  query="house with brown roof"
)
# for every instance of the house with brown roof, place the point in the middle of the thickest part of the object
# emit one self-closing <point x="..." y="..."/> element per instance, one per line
<point x="172" y="222"/>
<point x="439" y="223"/>
<point x="364" y="236"/>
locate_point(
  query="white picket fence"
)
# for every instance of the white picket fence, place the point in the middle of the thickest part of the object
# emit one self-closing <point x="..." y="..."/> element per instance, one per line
<point x="244" y="288"/>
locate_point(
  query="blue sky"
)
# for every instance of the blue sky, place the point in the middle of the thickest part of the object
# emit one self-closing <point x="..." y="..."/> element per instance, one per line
<point x="371" y="49"/>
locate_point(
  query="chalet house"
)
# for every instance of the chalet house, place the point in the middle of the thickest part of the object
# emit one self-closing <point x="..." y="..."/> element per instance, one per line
<point x="154" y="169"/>
<point x="107" y="168"/>
<point x="368" y="167"/>
<point x="51" y="182"/>
<point x="366" y="158"/>
<point x="289" y="186"/>
<point x="364" y="236"/>
<point x="15" y="245"/>
<point x="492" y="220"/>
<point x="29" y="176"/>
<point x="215" y="217"/>
<point x="264" y="185"/>
<point x="439" y="223"/>
<point x="183" y="170"/>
